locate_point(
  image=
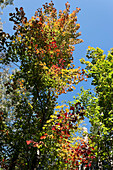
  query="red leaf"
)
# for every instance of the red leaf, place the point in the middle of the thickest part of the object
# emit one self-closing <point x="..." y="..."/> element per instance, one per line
<point x="21" y="9"/>
<point x="29" y="141"/>
<point x="72" y="108"/>
<point x="89" y="165"/>
<point x="43" y="137"/>
<point x="77" y="163"/>
<point x="65" y="114"/>
<point x="92" y="148"/>
<point x="88" y="152"/>
<point x="61" y="136"/>
<point x="53" y="128"/>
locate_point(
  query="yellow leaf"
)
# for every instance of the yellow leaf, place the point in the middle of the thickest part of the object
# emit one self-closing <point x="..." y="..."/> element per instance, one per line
<point x="11" y="77"/>
<point x="48" y="121"/>
<point x="78" y="138"/>
<point x="29" y="47"/>
<point x="53" y="116"/>
<point x="57" y="107"/>
<point x="67" y="110"/>
<point x="89" y="47"/>
<point x="30" y="105"/>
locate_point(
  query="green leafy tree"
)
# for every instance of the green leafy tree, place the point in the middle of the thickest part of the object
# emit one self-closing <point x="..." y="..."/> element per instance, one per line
<point x="15" y="124"/>
<point x="99" y="105"/>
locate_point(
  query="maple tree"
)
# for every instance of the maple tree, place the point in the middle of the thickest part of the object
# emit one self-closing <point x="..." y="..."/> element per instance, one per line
<point x="42" y="48"/>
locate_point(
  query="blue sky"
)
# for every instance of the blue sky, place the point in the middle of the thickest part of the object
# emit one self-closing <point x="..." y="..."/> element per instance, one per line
<point x="96" y="26"/>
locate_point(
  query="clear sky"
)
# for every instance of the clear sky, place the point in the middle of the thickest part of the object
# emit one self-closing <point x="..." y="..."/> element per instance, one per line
<point x="96" y="26"/>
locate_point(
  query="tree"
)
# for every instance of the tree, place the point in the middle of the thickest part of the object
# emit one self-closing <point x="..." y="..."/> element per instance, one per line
<point x="4" y="3"/>
<point x="14" y="122"/>
<point x="63" y="149"/>
<point x="42" y="49"/>
<point x="56" y="145"/>
<point x="99" y="105"/>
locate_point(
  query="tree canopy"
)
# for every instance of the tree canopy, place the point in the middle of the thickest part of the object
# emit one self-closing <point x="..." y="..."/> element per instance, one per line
<point x="42" y="49"/>
<point x="99" y="104"/>
<point x="36" y="132"/>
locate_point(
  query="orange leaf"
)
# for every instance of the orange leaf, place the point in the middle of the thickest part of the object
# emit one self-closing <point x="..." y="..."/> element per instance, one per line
<point x="29" y="141"/>
<point x="43" y="137"/>
<point x="57" y="50"/>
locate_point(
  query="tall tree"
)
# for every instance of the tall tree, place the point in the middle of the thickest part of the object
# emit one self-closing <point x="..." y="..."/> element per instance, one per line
<point x="42" y="48"/>
<point x="99" y="105"/>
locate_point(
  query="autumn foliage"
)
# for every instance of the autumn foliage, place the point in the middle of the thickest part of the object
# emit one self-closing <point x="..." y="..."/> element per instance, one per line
<point x="45" y="137"/>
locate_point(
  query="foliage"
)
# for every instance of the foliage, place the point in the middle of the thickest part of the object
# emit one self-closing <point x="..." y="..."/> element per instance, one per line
<point x="99" y="104"/>
<point x="17" y="124"/>
<point x="4" y="3"/>
<point x="42" y="49"/>
<point x="51" y="54"/>
<point x="59" y="141"/>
